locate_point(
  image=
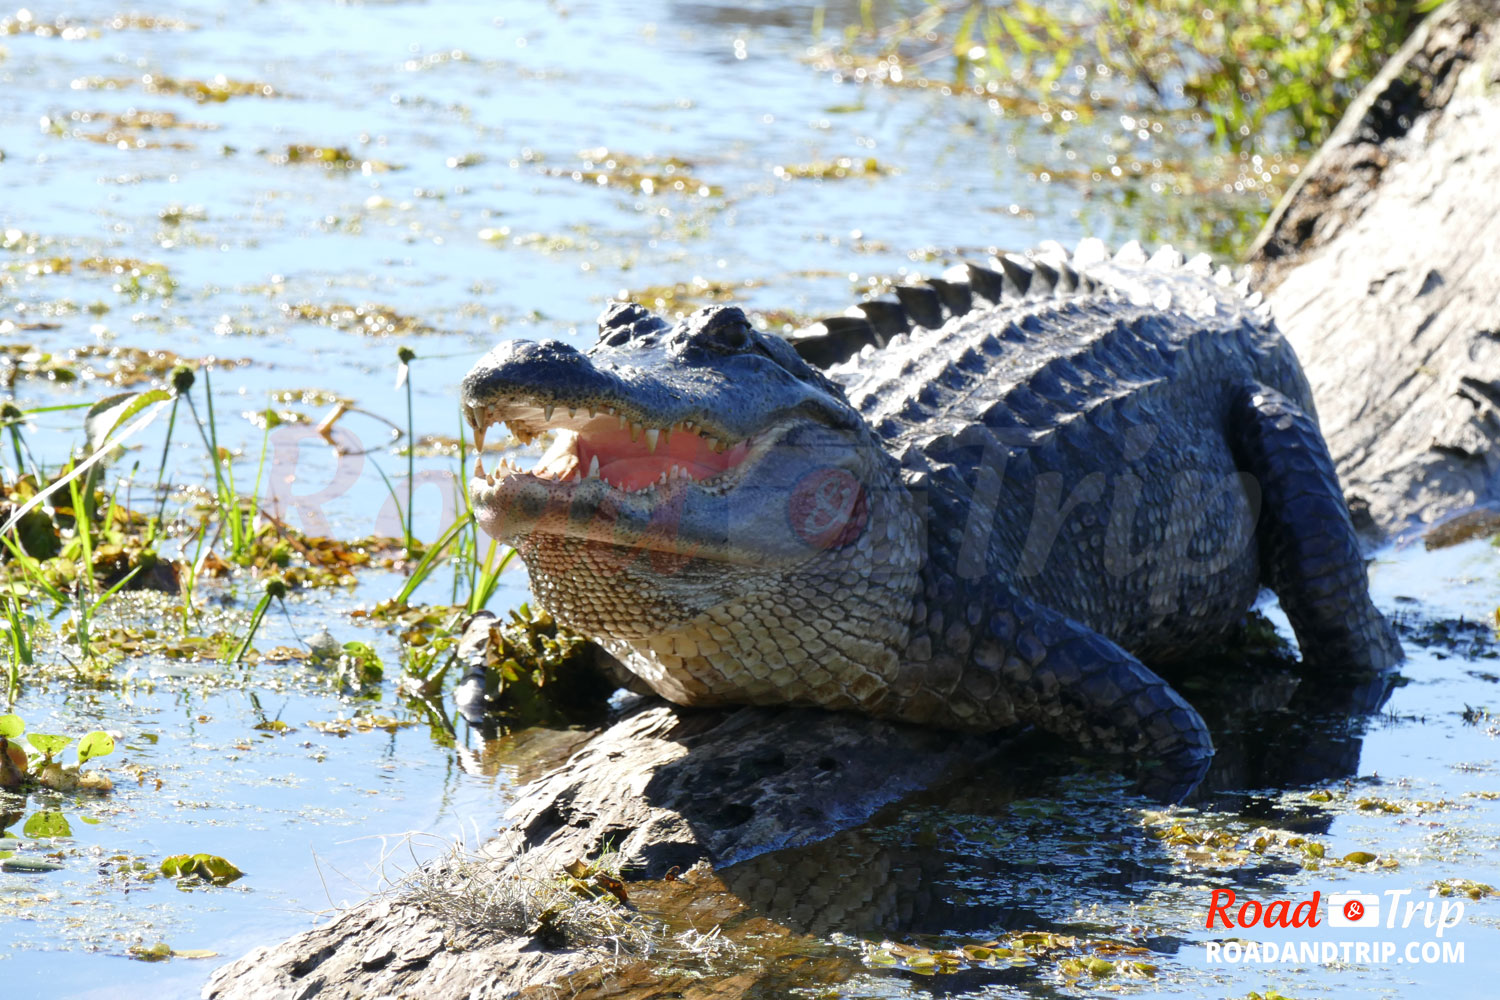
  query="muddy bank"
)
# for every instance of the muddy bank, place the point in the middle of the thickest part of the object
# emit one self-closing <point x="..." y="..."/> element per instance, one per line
<point x="1382" y="275"/>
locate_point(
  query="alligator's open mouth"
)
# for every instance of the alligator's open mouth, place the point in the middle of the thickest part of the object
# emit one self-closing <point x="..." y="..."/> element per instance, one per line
<point x="627" y="455"/>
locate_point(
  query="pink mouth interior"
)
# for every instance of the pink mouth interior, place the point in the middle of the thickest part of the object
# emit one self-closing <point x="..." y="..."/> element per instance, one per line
<point x="631" y="465"/>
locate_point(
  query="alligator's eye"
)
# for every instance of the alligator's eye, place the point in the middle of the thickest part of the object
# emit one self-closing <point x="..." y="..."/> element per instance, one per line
<point x="734" y="338"/>
<point x="723" y="330"/>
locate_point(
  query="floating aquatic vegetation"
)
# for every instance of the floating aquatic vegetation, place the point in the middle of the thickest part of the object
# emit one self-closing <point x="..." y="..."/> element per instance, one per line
<point x="647" y="175"/>
<point x="132" y="641"/>
<point x="40" y="765"/>
<point x="544" y="242"/>
<point x="135" y="279"/>
<point x="436" y="446"/>
<point x="369" y="319"/>
<point x="331" y="158"/>
<point x="209" y="869"/>
<point x="1227" y="843"/>
<point x="310" y="397"/>
<point x="124" y="130"/>
<point x="835" y="169"/>
<point x="685" y="296"/>
<point x="113" y="365"/>
<point x="24" y="22"/>
<point x="271" y="417"/>
<point x="212" y="91"/>
<point x="779" y="320"/>
<point x="1464" y="887"/>
<point x="1069" y="957"/>
<point x="360" y="723"/>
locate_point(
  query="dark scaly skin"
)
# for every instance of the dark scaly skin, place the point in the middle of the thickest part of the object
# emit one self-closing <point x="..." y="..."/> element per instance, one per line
<point x="1091" y="463"/>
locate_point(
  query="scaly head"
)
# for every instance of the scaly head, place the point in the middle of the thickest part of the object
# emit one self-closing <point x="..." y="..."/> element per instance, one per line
<point x="693" y="469"/>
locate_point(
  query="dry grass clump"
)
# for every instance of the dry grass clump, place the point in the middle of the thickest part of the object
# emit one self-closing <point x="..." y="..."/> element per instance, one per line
<point x="472" y="891"/>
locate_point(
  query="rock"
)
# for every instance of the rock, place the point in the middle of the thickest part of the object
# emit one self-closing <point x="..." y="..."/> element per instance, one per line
<point x="1385" y="262"/>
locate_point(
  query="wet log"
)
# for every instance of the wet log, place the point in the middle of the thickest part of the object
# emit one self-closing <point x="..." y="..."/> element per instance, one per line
<point x="1384" y="263"/>
<point x="1383" y="269"/>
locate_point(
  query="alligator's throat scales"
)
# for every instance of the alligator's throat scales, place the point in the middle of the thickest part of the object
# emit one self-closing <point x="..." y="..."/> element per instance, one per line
<point x="987" y="502"/>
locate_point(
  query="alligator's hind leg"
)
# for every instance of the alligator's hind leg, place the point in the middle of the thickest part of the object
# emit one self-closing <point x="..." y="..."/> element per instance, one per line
<point x="1308" y="550"/>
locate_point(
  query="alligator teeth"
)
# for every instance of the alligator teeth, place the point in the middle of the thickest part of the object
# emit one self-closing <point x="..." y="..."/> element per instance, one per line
<point x="623" y="423"/>
<point x="594" y="467"/>
<point x="572" y="412"/>
<point x="652" y="436"/>
<point x="635" y="431"/>
<point x="663" y="480"/>
<point x="547" y="412"/>
<point x="479" y="467"/>
<point x="479" y="439"/>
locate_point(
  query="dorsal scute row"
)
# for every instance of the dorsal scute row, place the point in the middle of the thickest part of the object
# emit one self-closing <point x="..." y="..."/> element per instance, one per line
<point x="1164" y="280"/>
<point x="1078" y="369"/>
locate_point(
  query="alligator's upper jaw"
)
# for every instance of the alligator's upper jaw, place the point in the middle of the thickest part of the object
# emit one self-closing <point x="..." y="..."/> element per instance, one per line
<point x="593" y="443"/>
<point x="608" y="473"/>
<point x="595" y="457"/>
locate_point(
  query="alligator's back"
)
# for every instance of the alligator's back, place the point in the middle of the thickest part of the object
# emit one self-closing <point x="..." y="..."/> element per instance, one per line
<point x="1071" y="428"/>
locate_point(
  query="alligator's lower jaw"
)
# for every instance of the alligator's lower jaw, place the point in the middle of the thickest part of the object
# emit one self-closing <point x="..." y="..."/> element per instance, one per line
<point x="512" y="505"/>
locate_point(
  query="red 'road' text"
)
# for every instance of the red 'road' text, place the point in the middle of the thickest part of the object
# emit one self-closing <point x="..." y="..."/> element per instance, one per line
<point x="1253" y="913"/>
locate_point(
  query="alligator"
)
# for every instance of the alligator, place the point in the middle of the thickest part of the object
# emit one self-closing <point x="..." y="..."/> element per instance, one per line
<point x="985" y="502"/>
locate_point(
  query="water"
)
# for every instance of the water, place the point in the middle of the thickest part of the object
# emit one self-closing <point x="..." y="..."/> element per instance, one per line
<point x="472" y="208"/>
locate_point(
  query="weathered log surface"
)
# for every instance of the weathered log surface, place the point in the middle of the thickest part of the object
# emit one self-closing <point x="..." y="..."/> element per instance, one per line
<point x="667" y="787"/>
<point x="1384" y="266"/>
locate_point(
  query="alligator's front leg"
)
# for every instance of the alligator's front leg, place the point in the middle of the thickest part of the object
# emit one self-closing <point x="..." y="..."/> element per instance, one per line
<point x="1029" y="664"/>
